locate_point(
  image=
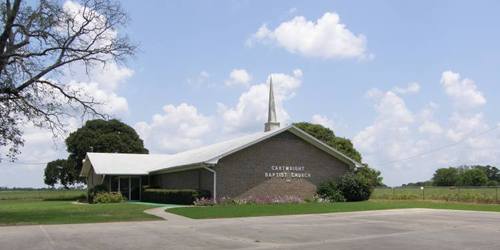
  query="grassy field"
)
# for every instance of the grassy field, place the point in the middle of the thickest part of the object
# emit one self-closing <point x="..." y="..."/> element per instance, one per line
<point x="462" y="194"/>
<point x="22" y="207"/>
<point x="232" y="211"/>
<point x="41" y="194"/>
<point x="22" y="212"/>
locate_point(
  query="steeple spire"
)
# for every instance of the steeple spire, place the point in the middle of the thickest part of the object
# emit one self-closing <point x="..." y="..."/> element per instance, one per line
<point x="272" y="123"/>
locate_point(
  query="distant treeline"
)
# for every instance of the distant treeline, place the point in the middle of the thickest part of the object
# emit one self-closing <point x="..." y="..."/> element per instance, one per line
<point x="476" y="175"/>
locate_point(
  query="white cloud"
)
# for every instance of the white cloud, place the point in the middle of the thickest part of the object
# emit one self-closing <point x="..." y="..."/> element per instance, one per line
<point x="464" y="125"/>
<point x="336" y="124"/>
<point x="411" y="88"/>
<point x="108" y="101"/>
<point x="292" y="10"/>
<point x="389" y="129"/>
<point x="325" y="38"/>
<point x="111" y="76"/>
<point x="39" y="148"/>
<point x="323" y="121"/>
<point x="409" y="145"/>
<point x="201" y="80"/>
<point x="250" y="113"/>
<point x="183" y="127"/>
<point x="99" y="84"/>
<point x="430" y="127"/>
<point x="463" y="92"/>
<point x="238" y="77"/>
<point x="177" y="128"/>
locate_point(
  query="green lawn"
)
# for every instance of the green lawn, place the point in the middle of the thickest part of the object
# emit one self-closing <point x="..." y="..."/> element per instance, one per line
<point x="20" y="212"/>
<point x="231" y="211"/>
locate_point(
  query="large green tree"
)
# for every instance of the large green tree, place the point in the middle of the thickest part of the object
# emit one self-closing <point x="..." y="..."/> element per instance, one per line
<point x="492" y="172"/>
<point x="60" y="171"/>
<point x="446" y="177"/>
<point x="473" y="177"/>
<point x="104" y="136"/>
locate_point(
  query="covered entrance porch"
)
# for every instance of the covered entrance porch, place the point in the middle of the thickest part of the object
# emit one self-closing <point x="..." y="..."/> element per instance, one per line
<point x="130" y="186"/>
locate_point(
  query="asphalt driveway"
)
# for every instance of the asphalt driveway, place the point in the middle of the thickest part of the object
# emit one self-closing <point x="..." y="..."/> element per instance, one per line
<point x="390" y="229"/>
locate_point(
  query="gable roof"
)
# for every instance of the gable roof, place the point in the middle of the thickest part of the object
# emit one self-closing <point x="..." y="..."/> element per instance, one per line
<point x="142" y="164"/>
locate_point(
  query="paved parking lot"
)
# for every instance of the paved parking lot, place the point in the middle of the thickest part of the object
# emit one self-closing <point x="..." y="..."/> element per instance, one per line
<point x="390" y="229"/>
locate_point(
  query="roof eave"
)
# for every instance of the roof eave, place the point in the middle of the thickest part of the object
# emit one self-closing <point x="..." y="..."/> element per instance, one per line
<point x="181" y="168"/>
<point x="325" y="147"/>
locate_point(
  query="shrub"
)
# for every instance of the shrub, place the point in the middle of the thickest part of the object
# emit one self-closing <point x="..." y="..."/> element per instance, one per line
<point x="330" y="191"/>
<point x="95" y="190"/>
<point x="174" y="196"/>
<point x="349" y="187"/>
<point x="355" y="187"/>
<point x="105" y="197"/>
<point x="492" y="183"/>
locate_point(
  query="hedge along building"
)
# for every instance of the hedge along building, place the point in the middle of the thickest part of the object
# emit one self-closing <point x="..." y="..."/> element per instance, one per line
<point x="276" y="162"/>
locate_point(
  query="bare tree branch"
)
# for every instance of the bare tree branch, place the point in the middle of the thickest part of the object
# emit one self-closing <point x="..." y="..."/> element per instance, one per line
<point x="37" y="42"/>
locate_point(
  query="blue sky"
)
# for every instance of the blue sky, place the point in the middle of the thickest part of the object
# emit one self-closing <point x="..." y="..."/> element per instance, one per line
<point x="420" y="76"/>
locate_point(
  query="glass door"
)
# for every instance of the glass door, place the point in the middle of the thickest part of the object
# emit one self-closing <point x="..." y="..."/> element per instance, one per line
<point x="135" y="188"/>
<point x="124" y="187"/>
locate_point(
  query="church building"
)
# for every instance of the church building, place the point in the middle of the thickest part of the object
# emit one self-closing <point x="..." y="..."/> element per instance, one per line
<point x="276" y="162"/>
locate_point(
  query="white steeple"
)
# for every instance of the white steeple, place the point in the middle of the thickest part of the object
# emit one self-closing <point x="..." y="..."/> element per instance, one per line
<point x="272" y="123"/>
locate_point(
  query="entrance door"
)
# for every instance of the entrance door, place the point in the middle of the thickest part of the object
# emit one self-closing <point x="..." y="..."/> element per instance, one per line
<point x="128" y="186"/>
<point x="125" y="187"/>
<point x="135" y="188"/>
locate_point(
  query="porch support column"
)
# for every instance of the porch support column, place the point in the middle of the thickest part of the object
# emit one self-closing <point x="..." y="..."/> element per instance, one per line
<point x="214" y="192"/>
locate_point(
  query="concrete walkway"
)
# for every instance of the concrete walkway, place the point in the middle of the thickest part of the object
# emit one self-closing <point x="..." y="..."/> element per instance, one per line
<point x="160" y="212"/>
<point x="388" y="229"/>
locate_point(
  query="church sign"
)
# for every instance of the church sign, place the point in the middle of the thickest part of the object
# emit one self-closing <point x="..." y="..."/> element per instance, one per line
<point x="287" y="172"/>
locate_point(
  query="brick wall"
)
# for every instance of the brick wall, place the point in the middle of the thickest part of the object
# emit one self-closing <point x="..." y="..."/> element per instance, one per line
<point x="243" y="174"/>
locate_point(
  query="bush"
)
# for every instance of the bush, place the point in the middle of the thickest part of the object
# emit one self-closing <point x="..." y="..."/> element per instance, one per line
<point x="174" y="196"/>
<point x="105" y="197"/>
<point x="95" y="190"/>
<point x="492" y="184"/>
<point x="330" y="191"/>
<point x="349" y="187"/>
<point x="355" y="187"/>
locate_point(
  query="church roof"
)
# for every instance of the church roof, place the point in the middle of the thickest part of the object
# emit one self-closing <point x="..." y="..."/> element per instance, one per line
<point x="142" y="164"/>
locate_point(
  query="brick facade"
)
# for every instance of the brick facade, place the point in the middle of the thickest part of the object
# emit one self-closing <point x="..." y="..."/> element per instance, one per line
<point x="242" y="174"/>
